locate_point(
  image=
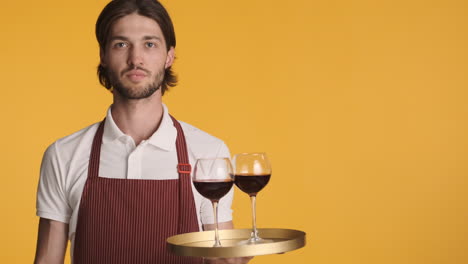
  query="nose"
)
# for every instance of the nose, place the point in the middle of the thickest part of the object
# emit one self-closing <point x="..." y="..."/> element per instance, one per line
<point x="135" y="57"/>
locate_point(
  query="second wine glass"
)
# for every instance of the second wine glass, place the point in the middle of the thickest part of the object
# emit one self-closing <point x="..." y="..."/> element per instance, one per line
<point x="252" y="172"/>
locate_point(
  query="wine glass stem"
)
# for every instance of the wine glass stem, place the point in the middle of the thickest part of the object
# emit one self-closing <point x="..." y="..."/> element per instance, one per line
<point x="215" y="213"/>
<point x="254" y="236"/>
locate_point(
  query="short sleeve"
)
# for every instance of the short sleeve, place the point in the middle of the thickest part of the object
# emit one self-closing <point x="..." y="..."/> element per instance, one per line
<point x="225" y="203"/>
<point x="51" y="200"/>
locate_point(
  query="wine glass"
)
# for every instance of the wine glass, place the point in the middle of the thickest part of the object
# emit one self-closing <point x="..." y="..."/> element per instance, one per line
<point x="252" y="172"/>
<point x="213" y="179"/>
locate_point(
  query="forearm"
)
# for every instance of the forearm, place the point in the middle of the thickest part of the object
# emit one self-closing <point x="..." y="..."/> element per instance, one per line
<point x="223" y="225"/>
<point x="51" y="242"/>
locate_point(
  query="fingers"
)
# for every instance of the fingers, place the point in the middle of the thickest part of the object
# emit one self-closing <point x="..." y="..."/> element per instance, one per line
<point x="242" y="260"/>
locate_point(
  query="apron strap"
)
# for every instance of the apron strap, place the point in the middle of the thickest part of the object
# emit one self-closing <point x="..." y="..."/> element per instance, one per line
<point x="184" y="167"/>
<point x="93" y="169"/>
<point x="186" y="201"/>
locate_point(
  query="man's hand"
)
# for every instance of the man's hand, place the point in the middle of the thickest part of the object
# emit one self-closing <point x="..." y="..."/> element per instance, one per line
<point x="224" y="225"/>
<point x="242" y="260"/>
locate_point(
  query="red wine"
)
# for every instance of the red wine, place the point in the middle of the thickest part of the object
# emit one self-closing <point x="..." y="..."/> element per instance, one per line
<point x="251" y="184"/>
<point x="213" y="190"/>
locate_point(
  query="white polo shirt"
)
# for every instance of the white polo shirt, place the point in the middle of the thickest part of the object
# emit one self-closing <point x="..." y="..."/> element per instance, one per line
<point x="64" y="168"/>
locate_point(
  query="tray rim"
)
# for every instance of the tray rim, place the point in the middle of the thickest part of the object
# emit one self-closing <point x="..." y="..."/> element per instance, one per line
<point x="293" y="239"/>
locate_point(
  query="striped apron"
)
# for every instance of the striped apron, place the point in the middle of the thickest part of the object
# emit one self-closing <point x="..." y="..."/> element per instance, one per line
<point x="128" y="220"/>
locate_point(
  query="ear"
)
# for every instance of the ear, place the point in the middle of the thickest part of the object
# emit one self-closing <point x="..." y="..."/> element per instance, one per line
<point x="101" y="58"/>
<point x="170" y="57"/>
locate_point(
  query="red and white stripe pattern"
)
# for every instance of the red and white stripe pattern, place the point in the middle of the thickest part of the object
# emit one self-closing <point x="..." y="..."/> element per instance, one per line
<point x="128" y="220"/>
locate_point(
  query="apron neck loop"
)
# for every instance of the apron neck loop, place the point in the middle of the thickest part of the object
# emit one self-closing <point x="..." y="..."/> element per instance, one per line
<point x="183" y="166"/>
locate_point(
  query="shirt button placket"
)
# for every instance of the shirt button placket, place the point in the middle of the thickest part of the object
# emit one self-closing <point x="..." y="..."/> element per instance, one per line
<point x="135" y="161"/>
<point x="131" y="162"/>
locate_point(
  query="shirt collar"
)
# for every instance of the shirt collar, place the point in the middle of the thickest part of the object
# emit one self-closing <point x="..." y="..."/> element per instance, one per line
<point x="164" y="137"/>
<point x="166" y="134"/>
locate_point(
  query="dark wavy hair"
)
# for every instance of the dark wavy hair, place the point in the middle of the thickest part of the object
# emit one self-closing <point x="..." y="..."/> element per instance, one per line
<point x="117" y="9"/>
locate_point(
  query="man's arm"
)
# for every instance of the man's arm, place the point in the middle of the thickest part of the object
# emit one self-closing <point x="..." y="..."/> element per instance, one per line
<point x="51" y="242"/>
<point x="224" y="225"/>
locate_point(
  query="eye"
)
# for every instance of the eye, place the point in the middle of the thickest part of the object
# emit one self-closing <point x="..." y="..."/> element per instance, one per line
<point x="150" y="45"/>
<point x="120" y="45"/>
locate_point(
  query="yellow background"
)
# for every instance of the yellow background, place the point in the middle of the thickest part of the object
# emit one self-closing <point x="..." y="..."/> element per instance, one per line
<point x="361" y="106"/>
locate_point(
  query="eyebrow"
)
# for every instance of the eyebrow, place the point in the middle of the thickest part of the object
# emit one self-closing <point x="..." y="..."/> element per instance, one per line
<point x="151" y="37"/>
<point x="126" y="39"/>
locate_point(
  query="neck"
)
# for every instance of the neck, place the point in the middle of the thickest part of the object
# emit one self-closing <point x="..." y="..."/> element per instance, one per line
<point x="138" y="118"/>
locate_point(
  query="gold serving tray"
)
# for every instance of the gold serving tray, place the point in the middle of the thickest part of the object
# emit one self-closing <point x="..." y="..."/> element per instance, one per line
<point x="200" y="244"/>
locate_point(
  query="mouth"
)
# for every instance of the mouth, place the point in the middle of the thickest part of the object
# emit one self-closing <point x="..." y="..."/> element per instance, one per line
<point x="136" y="75"/>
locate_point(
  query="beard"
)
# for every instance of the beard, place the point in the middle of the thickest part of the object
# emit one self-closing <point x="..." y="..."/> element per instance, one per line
<point x="135" y="93"/>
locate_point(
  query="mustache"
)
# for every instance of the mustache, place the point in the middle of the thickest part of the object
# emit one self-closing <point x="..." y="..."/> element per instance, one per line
<point x="136" y="68"/>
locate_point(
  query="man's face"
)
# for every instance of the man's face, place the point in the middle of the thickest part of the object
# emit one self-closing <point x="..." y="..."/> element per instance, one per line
<point x="136" y="56"/>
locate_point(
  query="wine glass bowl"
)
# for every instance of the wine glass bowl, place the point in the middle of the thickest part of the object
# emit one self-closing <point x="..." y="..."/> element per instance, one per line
<point x="251" y="184"/>
<point x="252" y="172"/>
<point x="213" y="179"/>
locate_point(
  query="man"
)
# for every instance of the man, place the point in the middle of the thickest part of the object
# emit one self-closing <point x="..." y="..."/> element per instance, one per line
<point x="117" y="189"/>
